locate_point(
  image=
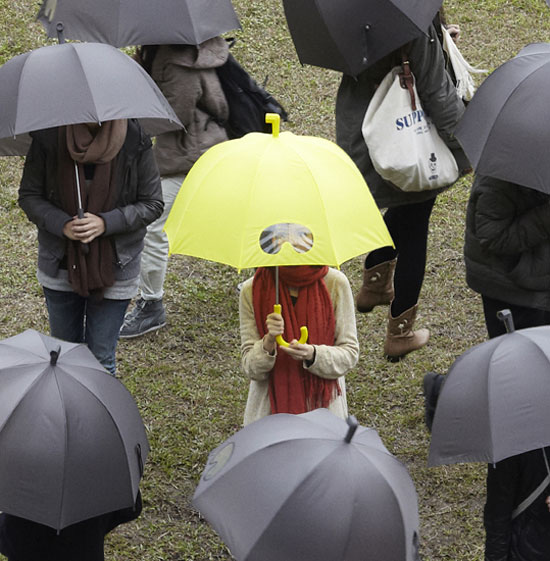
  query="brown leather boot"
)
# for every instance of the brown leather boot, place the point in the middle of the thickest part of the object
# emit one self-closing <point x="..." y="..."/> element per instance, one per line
<point x="400" y="337"/>
<point x="377" y="286"/>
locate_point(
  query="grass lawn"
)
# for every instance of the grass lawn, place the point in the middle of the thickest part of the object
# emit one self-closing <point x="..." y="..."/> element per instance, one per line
<point x="186" y="378"/>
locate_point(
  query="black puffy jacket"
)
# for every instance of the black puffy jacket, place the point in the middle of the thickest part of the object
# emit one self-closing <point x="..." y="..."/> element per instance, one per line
<point x="509" y="482"/>
<point x="507" y="243"/>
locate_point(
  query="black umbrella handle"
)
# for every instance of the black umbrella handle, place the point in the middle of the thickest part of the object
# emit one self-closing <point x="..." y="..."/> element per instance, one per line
<point x="506" y="317"/>
<point x="60" y="28"/>
<point x="353" y="424"/>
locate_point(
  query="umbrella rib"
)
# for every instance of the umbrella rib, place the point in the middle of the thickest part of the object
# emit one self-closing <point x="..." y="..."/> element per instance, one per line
<point x="92" y="97"/>
<point x="65" y="454"/>
<point x="257" y="172"/>
<point x="192" y="21"/>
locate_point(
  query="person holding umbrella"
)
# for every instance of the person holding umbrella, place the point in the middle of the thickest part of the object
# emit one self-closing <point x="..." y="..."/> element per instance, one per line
<point x="395" y="276"/>
<point x="91" y="189"/>
<point x="493" y="407"/>
<point x="186" y="75"/>
<point x="507" y="252"/>
<point x="73" y="447"/>
<point x="299" y="377"/>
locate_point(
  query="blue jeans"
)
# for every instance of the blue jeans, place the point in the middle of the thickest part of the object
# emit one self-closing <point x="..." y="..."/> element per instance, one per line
<point x="85" y="320"/>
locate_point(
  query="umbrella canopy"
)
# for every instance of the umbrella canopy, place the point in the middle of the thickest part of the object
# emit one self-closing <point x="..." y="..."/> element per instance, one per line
<point x="138" y="22"/>
<point x="72" y="442"/>
<point x="269" y="199"/>
<point x="298" y="487"/>
<point x="349" y="36"/>
<point x="506" y="127"/>
<point x="76" y="83"/>
<point x="494" y="402"/>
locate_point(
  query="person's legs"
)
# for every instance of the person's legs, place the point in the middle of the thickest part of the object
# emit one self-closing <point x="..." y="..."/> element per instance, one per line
<point x="154" y="258"/>
<point x="66" y="312"/>
<point x="523" y="317"/>
<point x="103" y="320"/>
<point x="148" y="313"/>
<point x="408" y="226"/>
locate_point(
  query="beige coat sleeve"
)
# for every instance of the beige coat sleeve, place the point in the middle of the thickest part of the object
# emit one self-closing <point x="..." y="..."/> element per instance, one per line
<point x="333" y="361"/>
<point x="255" y="362"/>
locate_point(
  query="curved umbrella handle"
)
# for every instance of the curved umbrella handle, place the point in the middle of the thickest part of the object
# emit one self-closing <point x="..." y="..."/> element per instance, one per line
<point x="303" y="330"/>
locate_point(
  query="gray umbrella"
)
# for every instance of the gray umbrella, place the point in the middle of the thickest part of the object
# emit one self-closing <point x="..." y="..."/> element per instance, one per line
<point x="349" y="36"/>
<point x="138" y="22"/>
<point x="494" y="402"/>
<point x="76" y="83"/>
<point x="505" y="129"/>
<point x="301" y="487"/>
<point x="72" y="442"/>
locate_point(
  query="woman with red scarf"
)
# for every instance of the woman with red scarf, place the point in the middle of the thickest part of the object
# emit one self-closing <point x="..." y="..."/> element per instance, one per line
<point x="300" y="377"/>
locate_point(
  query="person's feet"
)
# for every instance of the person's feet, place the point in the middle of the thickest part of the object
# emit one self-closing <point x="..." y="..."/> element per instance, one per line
<point x="431" y="389"/>
<point x="147" y="315"/>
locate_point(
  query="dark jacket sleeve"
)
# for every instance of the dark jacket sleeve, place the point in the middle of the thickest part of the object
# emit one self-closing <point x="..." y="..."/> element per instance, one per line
<point x="33" y="196"/>
<point x="502" y="492"/>
<point x="435" y="87"/>
<point x="149" y="204"/>
<point x="499" y="227"/>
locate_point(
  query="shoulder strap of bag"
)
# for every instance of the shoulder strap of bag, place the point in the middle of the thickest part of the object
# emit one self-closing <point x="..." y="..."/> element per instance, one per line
<point x="531" y="498"/>
<point x="406" y="78"/>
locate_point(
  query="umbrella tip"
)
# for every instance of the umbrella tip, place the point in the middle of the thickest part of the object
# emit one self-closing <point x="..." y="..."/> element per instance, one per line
<point x="275" y="120"/>
<point x="506" y="317"/>
<point x="54" y="355"/>
<point x="353" y="424"/>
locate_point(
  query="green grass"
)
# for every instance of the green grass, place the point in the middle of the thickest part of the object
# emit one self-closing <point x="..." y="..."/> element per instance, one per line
<point x="186" y="378"/>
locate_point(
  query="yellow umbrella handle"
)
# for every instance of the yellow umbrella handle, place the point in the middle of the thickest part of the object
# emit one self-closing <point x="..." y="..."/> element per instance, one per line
<point x="279" y="338"/>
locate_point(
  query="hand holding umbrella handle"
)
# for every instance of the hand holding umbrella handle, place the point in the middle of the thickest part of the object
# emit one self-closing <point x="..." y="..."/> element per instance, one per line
<point x="84" y="246"/>
<point x="303" y="330"/>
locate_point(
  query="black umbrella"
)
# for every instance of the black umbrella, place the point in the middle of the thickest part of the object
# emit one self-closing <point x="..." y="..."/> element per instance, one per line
<point x="72" y="442"/>
<point x="76" y="83"/>
<point x="309" y="487"/>
<point x="494" y="402"/>
<point x="350" y="35"/>
<point x="505" y="130"/>
<point x="138" y="22"/>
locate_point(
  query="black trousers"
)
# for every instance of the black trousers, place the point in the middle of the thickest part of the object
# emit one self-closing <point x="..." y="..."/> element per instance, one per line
<point x="523" y="317"/>
<point x="408" y="226"/>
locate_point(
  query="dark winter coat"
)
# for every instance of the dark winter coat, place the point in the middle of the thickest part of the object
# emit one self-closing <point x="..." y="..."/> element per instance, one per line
<point x="507" y="243"/>
<point x="439" y="100"/>
<point x="23" y="540"/>
<point x="509" y="482"/>
<point x="187" y="77"/>
<point x="138" y="202"/>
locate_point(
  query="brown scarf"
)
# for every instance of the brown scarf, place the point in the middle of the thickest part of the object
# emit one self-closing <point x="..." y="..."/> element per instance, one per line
<point x="91" y="271"/>
<point x="293" y="389"/>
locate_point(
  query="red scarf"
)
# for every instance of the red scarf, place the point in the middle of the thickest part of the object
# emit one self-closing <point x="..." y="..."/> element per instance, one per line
<point x="293" y="389"/>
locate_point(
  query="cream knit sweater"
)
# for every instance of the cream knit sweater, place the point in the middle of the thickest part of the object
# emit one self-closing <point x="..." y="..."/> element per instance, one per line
<point x="330" y="361"/>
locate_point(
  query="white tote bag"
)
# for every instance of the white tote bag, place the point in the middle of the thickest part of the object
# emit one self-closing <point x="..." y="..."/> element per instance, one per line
<point x="404" y="146"/>
<point x="462" y="69"/>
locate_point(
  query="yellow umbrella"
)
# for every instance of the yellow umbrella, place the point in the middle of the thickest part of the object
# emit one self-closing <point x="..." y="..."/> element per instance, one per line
<point x="275" y="199"/>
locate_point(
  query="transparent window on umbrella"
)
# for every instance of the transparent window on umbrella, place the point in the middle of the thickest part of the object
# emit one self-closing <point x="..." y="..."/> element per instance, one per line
<point x="298" y="236"/>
